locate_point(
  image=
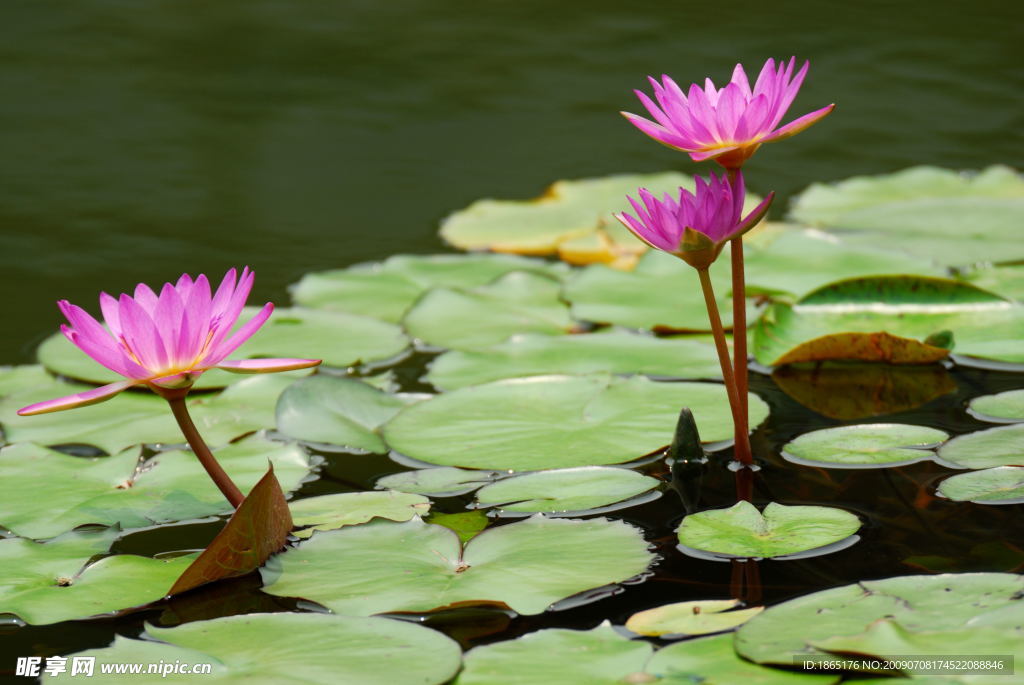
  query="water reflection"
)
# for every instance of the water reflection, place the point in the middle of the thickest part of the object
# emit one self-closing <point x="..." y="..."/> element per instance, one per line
<point x="850" y="391"/>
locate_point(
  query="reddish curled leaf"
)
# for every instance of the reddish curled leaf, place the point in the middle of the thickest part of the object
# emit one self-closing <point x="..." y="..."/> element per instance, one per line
<point x="257" y="529"/>
<point x="872" y="347"/>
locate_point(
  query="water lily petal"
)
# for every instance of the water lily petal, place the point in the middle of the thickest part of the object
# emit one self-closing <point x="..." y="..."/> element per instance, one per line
<point x="216" y="354"/>
<point x="797" y="125"/>
<point x="266" y="365"/>
<point x="79" y="400"/>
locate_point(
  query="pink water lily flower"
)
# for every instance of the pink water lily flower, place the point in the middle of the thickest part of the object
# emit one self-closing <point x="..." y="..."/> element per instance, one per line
<point x="696" y="226"/>
<point x="166" y="341"/>
<point x="726" y="124"/>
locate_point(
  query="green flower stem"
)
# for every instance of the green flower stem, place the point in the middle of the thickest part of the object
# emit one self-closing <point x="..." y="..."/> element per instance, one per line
<point x="202" y="452"/>
<point x="742" y="448"/>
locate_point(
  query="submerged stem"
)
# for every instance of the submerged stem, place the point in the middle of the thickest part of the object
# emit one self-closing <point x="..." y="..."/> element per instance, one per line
<point x="203" y="453"/>
<point x="742" y="448"/>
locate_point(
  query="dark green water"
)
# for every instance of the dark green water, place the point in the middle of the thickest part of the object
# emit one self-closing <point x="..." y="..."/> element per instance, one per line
<point x="141" y="140"/>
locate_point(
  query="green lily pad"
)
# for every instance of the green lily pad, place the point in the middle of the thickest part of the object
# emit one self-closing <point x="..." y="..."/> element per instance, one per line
<point x="940" y="214"/>
<point x="518" y="302"/>
<point x="663" y="293"/>
<point x="138" y="417"/>
<point x="849" y="391"/>
<point x="1004" y="407"/>
<point x="50" y="582"/>
<point x="385" y="290"/>
<point x="338" y="411"/>
<point x="890" y="319"/>
<point x="116" y="490"/>
<point x="565" y="491"/>
<point x="567" y="210"/>
<point x="602" y="656"/>
<point x="691" y="618"/>
<point x="1006" y="280"/>
<point x="444" y="481"/>
<point x="544" y="422"/>
<point x="15" y="379"/>
<point x="413" y="566"/>
<point x="795" y="261"/>
<point x="918" y="603"/>
<point x="616" y="351"/>
<point x="466" y="524"/>
<point x="868" y="445"/>
<point x="999" y="485"/>
<point x="742" y="531"/>
<point x="270" y="649"/>
<point x="1003" y="446"/>
<point x="329" y="512"/>
<point x="887" y="637"/>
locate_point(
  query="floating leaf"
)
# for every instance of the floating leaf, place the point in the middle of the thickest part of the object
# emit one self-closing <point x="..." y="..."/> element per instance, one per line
<point x="565" y="490"/>
<point x="338" y="411"/>
<point x="999" y="485"/>
<point x="616" y="351"/>
<point x="519" y="302"/>
<point x="258" y="528"/>
<point x="848" y="391"/>
<point x="691" y="618"/>
<point x="941" y="214"/>
<point x="1006" y="280"/>
<point x="742" y="531"/>
<point x="663" y="293"/>
<point x="868" y="445"/>
<point x="134" y="418"/>
<point x="445" y="481"/>
<point x="889" y="319"/>
<point x="567" y="210"/>
<point x="413" y="566"/>
<point x="18" y="378"/>
<point x="51" y="582"/>
<point x="269" y="649"/>
<point x="795" y="261"/>
<point x="545" y="422"/>
<point x="918" y="603"/>
<point x="1004" y="407"/>
<point x="329" y="512"/>
<point x="466" y="524"/>
<point x="601" y="656"/>
<point x="170" y="486"/>
<point x="1003" y="446"/>
<point x="385" y="290"/>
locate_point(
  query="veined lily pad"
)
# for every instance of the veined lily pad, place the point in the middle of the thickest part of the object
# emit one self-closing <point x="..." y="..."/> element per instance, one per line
<point x="1006" y="280"/>
<point x="171" y="486"/>
<point x="444" y="481"/>
<point x="270" y="649"/>
<point x="794" y="261"/>
<point x="518" y="302"/>
<point x="1003" y="446"/>
<point x="565" y="490"/>
<point x="602" y="656"/>
<point x="616" y="351"/>
<point x="413" y="566"/>
<point x="999" y="485"/>
<point x="137" y="417"/>
<point x="691" y="618"/>
<point x="329" y="512"/>
<point x="855" y="390"/>
<point x="918" y="603"/>
<point x="954" y="218"/>
<point x="1004" y="407"/>
<point x="18" y="378"/>
<point x="567" y="210"/>
<point x="385" y="290"/>
<point x="544" y="422"/>
<point x="869" y="445"/>
<point x="741" y="531"/>
<point x="890" y="319"/>
<point x="466" y="524"/>
<point x="51" y="582"/>
<point x="338" y="411"/>
<point x="663" y="293"/>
